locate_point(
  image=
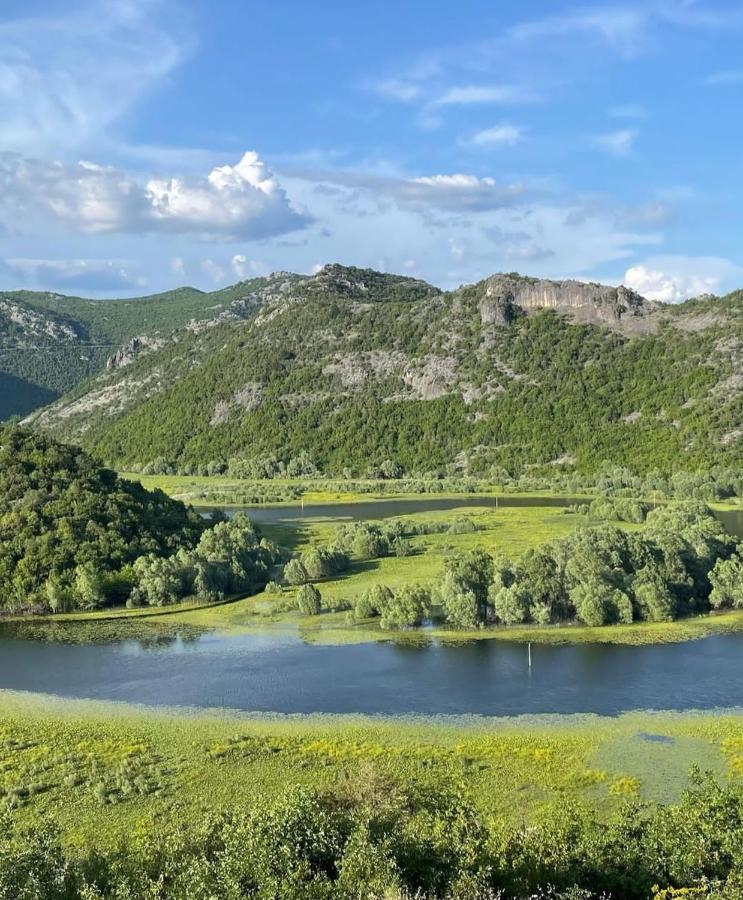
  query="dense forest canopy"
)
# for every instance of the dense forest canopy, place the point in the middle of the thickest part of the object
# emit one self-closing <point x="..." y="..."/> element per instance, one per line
<point x="66" y="521"/>
<point x="350" y="370"/>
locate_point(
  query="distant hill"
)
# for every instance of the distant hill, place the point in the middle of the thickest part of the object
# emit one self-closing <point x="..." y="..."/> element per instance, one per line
<point x="356" y="367"/>
<point x="49" y="343"/>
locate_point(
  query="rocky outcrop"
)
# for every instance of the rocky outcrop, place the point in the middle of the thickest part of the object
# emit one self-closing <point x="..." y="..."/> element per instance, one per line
<point x="504" y="296"/>
<point x="131" y="350"/>
<point x="27" y="327"/>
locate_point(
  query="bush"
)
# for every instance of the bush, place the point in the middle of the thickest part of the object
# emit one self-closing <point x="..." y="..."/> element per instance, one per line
<point x="309" y="600"/>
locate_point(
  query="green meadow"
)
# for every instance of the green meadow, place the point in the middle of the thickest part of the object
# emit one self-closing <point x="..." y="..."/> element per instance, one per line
<point x="508" y="530"/>
<point x="102" y="771"/>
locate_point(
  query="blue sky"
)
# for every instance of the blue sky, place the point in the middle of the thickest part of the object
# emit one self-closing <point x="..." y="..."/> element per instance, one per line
<point x="150" y="143"/>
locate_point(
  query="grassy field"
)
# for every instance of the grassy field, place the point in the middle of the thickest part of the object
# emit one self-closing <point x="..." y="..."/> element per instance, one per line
<point x="103" y="770"/>
<point x="507" y="530"/>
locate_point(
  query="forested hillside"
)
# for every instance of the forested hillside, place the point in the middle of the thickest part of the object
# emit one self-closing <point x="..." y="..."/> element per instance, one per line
<point x="49" y="343"/>
<point x="349" y="368"/>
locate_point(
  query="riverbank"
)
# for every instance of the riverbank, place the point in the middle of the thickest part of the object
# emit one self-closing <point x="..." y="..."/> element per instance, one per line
<point x="507" y="529"/>
<point x="103" y="769"/>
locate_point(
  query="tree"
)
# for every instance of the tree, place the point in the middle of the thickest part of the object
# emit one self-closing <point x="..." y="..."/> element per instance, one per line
<point x="408" y="606"/>
<point x="295" y="573"/>
<point x="57" y="593"/>
<point x="726" y="579"/>
<point x="472" y="573"/>
<point x="309" y="600"/>
<point x="458" y="602"/>
<point x="89" y="586"/>
<point x="512" y="604"/>
<point x="372" y="602"/>
<point x="316" y="563"/>
<point x="653" y="597"/>
<point x="160" y="581"/>
<point x="390" y="469"/>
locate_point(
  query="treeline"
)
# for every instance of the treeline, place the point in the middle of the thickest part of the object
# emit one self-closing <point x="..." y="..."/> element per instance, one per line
<point x="75" y="535"/>
<point x="681" y="563"/>
<point x="716" y="483"/>
<point x="377" y="838"/>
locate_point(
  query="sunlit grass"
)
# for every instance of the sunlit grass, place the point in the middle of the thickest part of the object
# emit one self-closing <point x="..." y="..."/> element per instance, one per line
<point x="101" y="769"/>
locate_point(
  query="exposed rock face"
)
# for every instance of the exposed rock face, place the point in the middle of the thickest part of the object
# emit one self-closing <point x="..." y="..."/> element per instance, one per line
<point x="247" y="398"/>
<point x="33" y="326"/>
<point x="496" y="310"/>
<point x="504" y="295"/>
<point x="131" y="350"/>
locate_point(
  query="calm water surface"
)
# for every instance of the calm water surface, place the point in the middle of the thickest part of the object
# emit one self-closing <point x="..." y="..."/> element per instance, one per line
<point x="380" y="509"/>
<point x="281" y="673"/>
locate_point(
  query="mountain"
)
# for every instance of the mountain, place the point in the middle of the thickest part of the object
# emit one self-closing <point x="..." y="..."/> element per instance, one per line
<point x="49" y="343"/>
<point x="355" y="366"/>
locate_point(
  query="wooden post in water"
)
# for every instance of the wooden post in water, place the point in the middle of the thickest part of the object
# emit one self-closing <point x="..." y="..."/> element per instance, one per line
<point x="530" y="654"/>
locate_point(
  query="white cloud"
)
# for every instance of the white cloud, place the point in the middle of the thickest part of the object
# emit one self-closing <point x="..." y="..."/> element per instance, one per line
<point x="178" y="265"/>
<point x="499" y="135"/>
<point x="676" y="278"/>
<point x="242" y="201"/>
<point x="66" y="79"/>
<point x="624" y="28"/>
<point x="247" y="268"/>
<point x="617" y="143"/>
<point x="472" y="94"/>
<point x="397" y="89"/>
<point x="98" y="275"/>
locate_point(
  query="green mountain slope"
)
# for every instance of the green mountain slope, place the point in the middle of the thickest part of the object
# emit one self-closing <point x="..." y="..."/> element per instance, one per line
<point x="49" y="343"/>
<point x="356" y="367"/>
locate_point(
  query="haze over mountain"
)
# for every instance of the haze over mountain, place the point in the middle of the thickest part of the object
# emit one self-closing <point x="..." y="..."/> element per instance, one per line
<point x="355" y="366"/>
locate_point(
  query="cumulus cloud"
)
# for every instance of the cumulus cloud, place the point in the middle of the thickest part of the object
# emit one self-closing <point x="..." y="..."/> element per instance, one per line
<point x="98" y="275"/>
<point x="458" y="193"/>
<point x="672" y="279"/>
<point x="617" y="143"/>
<point x="241" y="201"/>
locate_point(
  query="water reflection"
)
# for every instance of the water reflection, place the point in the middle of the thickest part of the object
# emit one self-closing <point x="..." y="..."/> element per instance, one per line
<point x="284" y="674"/>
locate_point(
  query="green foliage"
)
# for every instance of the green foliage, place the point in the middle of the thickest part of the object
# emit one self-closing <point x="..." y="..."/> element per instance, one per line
<point x="413" y="840"/>
<point x="464" y="592"/>
<point x="309" y="600"/>
<point x="230" y="558"/>
<point x="68" y="526"/>
<point x="726" y="579"/>
<point x="328" y="377"/>
<point x="295" y="573"/>
<point x="407" y="607"/>
<point x="604" y="575"/>
<point x="372" y="602"/>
